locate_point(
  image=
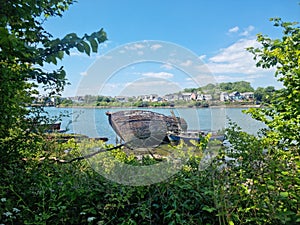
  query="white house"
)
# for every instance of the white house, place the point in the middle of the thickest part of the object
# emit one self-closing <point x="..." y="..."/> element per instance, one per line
<point x="224" y="97"/>
<point x="248" y="95"/>
<point x="121" y="98"/>
<point x="186" y="96"/>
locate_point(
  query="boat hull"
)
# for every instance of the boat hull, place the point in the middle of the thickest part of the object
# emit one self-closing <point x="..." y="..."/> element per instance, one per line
<point x="144" y="128"/>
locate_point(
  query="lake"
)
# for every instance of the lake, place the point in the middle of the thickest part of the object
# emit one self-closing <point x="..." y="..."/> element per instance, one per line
<point x="93" y="122"/>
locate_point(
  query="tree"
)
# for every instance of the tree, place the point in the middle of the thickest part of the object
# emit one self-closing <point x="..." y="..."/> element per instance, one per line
<point x="264" y="94"/>
<point x="259" y="94"/>
<point x="25" y="47"/>
<point x="240" y="86"/>
<point x="259" y="184"/>
<point x="226" y="86"/>
<point x="282" y="115"/>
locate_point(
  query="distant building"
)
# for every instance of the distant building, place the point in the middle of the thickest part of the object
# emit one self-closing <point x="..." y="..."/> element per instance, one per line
<point x="235" y="96"/>
<point x="204" y="97"/>
<point x="148" y="98"/>
<point x="158" y="99"/>
<point x="224" y="97"/>
<point x="193" y="96"/>
<point x="248" y="95"/>
<point x="121" y="98"/>
<point x="186" y="96"/>
<point x="171" y="97"/>
<point x="207" y="97"/>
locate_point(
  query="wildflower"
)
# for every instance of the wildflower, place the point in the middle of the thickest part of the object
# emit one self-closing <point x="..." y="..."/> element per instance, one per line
<point x="7" y="214"/>
<point x="15" y="210"/>
<point x="90" y="219"/>
<point x="3" y="199"/>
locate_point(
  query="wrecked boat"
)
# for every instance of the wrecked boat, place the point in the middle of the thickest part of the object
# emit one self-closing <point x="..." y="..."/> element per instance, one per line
<point x="142" y="128"/>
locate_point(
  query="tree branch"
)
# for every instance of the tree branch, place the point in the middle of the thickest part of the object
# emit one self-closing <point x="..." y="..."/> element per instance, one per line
<point x="86" y="156"/>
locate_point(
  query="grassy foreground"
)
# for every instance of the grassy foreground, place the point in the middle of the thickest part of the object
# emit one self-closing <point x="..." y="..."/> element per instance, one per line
<point x="230" y="189"/>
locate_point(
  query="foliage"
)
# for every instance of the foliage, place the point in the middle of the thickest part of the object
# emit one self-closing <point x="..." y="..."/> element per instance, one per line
<point x="240" y="86"/>
<point x="25" y="48"/>
<point x="258" y="177"/>
<point x="264" y="95"/>
<point x="282" y="115"/>
<point x="256" y="182"/>
<point x="42" y="191"/>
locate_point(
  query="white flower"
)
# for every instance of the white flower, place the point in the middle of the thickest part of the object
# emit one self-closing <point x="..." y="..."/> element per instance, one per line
<point x="90" y="219"/>
<point x="8" y="214"/>
<point x="3" y="199"/>
<point x="16" y="210"/>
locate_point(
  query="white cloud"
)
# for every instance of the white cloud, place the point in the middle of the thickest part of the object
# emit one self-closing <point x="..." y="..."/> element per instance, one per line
<point x="202" y="57"/>
<point x="247" y="31"/>
<point x="135" y="46"/>
<point x="235" y="59"/>
<point x="234" y="63"/>
<point x="150" y="86"/>
<point x="234" y="29"/>
<point x="155" y="46"/>
<point x="164" y="75"/>
<point x="84" y="73"/>
<point x="167" y="66"/>
<point x="77" y="53"/>
<point x="186" y="63"/>
<point x="248" y="78"/>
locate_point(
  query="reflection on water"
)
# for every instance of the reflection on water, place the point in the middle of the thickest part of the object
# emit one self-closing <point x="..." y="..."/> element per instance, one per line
<point x="94" y="122"/>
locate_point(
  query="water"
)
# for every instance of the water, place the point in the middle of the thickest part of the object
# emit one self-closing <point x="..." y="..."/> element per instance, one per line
<point x="94" y="123"/>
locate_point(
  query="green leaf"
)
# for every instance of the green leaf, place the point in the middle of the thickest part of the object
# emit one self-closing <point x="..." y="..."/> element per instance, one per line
<point x="94" y="45"/>
<point x="284" y="194"/>
<point x="80" y="47"/>
<point x="87" y="48"/>
<point x="60" y="54"/>
<point x="208" y="209"/>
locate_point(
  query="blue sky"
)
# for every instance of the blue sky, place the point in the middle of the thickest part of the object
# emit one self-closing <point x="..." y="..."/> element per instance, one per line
<point x="216" y="32"/>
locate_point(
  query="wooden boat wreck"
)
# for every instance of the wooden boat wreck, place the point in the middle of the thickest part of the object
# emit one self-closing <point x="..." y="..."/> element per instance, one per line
<point x="142" y="128"/>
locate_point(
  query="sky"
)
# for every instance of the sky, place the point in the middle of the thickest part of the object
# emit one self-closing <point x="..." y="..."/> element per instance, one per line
<point x="160" y="47"/>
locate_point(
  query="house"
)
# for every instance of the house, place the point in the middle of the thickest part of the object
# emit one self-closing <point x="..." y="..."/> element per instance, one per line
<point x="204" y="97"/>
<point x="193" y="96"/>
<point x="171" y="97"/>
<point x="235" y="96"/>
<point x="248" y="95"/>
<point x="224" y="96"/>
<point x="186" y="96"/>
<point x="207" y="97"/>
<point x="148" y="98"/>
<point x="121" y="98"/>
<point x="158" y="99"/>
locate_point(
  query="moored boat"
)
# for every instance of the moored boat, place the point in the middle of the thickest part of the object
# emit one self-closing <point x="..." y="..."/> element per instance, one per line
<point x="193" y="135"/>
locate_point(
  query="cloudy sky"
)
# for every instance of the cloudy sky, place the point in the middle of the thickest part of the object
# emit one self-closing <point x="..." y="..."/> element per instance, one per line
<point x="165" y="46"/>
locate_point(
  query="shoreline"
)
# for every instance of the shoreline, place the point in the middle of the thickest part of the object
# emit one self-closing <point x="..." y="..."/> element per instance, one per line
<point x="167" y="107"/>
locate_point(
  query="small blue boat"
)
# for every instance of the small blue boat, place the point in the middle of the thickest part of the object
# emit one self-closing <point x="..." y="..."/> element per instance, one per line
<point x="195" y="135"/>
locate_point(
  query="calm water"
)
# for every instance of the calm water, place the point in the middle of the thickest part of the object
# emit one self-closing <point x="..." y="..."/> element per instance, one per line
<point x="94" y="122"/>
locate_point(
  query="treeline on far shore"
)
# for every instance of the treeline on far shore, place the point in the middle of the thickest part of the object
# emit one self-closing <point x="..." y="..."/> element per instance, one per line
<point x="230" y="94"/>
